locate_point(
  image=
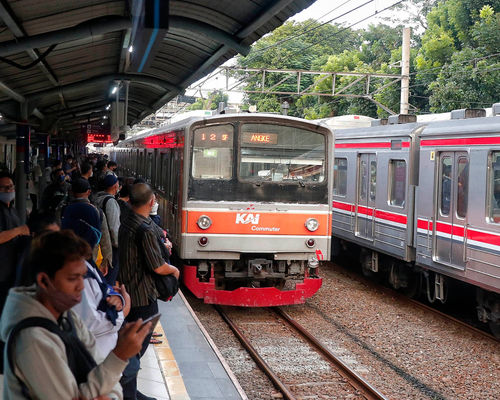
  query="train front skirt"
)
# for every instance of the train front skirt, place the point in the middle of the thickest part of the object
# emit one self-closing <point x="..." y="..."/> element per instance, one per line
<point x="249" y="297"/>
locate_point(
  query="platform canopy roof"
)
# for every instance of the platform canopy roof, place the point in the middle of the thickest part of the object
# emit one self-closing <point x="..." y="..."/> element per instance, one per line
<point x="59" y="60"/>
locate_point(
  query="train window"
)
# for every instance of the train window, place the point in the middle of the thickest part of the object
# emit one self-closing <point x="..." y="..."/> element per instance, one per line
<point x="373" y="180"/>
<point x="445" y="192"/>
<point x="364" y="175"/>
<point x="463" y="186"/>
<point x="340" y="177"/>
<point x="494" y="187"/>
<point x="165" y="171"/>
<point x="213" y="152"/>
<point x="149" y="167"/>
<point x="397" y="183"/>
<point x="280" y="153"/>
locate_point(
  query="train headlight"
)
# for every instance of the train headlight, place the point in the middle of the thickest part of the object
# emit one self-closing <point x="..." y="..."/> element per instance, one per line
<point x="204" y="222"/>
<point x="312" y="224"/>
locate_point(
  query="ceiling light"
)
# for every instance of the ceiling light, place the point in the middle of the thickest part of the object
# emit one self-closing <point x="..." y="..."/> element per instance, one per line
<point x="114" y="90"/>
<point x="131" y="49"/>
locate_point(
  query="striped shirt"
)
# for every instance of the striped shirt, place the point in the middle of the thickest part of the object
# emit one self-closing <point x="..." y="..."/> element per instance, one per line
<point x="138" y="260"/>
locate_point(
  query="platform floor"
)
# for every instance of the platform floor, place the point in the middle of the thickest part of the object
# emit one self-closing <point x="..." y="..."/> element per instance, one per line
<point x="202" y="370"/>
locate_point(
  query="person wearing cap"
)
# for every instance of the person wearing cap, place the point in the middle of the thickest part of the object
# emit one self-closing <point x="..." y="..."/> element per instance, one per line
<point x="106" y="201"/>
<point x="88" y="222"/>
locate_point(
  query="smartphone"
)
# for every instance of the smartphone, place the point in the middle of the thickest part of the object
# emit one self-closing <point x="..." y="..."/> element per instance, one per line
<point x="153" y="319"/>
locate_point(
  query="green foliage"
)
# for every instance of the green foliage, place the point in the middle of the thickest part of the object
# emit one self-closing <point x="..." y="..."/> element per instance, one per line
<point x="211" y="102"/>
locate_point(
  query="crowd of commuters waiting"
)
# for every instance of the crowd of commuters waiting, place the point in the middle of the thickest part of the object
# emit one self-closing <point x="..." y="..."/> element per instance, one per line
<point x="77" y="281"/>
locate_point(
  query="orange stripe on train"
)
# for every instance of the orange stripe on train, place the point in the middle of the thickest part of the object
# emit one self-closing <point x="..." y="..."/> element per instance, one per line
<point x="255" y="223"/>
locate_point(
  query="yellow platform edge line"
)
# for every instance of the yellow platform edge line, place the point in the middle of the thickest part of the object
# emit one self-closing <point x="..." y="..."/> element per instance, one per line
<point x="169" y="368"/>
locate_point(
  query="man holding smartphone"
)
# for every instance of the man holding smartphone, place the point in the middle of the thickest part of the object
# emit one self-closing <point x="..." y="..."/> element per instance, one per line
<point x="140" y="258"/>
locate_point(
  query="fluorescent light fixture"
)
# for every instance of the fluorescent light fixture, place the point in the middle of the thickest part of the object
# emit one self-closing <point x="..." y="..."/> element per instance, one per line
<point x="114" y="90"/>
<point x="131" y="49"/>
<point x="108" y="106"/>
<point x="105" y="117"/>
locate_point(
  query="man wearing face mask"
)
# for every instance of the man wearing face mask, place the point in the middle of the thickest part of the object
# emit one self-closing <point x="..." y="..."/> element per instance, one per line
<point x="56" y="193"/>
<point x="10" y="230"/>
<point x="59" y="360"/>
<point x="106" y="201"/>
<point x="88" y="222"/>
<point x="140" y="257"/>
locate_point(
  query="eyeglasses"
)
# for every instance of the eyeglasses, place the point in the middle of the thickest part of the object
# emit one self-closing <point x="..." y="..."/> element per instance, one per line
<point x="6" y="188"/>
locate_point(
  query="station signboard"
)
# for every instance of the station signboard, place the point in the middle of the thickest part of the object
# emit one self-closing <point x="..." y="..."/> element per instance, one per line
<point x="96" y="133"/>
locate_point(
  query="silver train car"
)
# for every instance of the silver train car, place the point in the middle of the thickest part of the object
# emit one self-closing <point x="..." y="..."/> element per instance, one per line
<point x="247" y="202"/>
<point x="422" y="200"/>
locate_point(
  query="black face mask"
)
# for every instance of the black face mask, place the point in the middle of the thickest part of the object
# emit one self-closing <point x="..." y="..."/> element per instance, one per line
<point x="60" y="301"/>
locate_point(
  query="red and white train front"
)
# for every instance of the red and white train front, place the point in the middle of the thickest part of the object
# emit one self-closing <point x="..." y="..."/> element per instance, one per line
<point x="256" y="214"/>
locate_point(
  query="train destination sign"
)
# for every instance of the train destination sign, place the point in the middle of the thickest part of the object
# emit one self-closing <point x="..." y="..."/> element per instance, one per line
<point x="260" y="138"/>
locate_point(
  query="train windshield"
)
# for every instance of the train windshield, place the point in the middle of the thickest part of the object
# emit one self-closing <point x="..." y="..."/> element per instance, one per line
<point x="280" y="153"/>
<point x="213" y="152"/>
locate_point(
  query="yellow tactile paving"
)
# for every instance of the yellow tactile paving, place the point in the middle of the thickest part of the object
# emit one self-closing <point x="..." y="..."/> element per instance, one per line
<point x="169" y="368"/>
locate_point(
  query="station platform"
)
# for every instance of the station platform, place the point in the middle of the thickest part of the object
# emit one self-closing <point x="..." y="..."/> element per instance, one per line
<point x="186" y="365"/>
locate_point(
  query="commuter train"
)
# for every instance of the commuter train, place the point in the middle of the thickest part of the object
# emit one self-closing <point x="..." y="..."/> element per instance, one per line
<point x="422" y="201"/>
<point x="247" y="202"/>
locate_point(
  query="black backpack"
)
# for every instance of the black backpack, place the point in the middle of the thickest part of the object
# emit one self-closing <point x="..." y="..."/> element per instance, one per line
<point x="80" y="361"/>
<point x="167" y="286"/>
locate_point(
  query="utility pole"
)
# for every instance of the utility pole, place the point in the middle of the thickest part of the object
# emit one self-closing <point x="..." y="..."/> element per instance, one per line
<point x="405" y="73"/>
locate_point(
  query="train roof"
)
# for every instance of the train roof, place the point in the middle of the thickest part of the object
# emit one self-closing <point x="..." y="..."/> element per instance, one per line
<point x="192" y="119"/>
<point x="378" y="131"/>
<point x="472" y="126"/>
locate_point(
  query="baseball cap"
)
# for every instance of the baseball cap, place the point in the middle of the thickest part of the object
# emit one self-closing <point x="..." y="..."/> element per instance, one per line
<point x="80" y="185"/>
<point x="109" y="180"/>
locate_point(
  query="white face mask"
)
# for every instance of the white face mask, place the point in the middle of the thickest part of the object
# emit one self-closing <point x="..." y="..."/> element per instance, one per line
<point x="154" y="209"/>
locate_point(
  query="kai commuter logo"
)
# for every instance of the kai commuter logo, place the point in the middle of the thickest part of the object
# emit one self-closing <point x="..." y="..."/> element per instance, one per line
<point x="247" y="218"/>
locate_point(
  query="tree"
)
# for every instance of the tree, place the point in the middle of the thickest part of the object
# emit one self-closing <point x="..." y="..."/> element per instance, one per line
<point x="211" y="102"/>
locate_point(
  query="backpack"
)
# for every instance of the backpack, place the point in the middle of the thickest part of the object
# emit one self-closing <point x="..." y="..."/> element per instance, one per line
<point x="167" y="286"/>
<point x="80" y="361"/>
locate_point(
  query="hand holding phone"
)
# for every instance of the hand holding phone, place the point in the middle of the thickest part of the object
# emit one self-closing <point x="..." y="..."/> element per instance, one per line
<point x="153" y="319"/>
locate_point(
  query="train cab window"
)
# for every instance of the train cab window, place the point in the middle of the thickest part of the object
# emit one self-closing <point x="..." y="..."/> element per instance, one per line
<point x="445" y="192"/>
<point x="280" y="153"/>
<point x="340" y="177"/>
<point x="463" y="186"/>
<point x="213" y="152"/>
<point x="397" y="183"/>
<point x="494" y="187"/>
<point x="373" y="180"/>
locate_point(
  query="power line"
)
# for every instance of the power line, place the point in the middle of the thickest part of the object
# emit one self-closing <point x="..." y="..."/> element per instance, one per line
<point x="346" y="28"/>
<point x="316" y="27"/>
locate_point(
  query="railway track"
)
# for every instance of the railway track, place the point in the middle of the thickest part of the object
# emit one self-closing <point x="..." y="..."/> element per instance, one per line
<point x="348" y="376"/>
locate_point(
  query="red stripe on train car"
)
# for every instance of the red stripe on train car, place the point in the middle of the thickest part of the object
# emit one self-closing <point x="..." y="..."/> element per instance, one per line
<point x="483" y="237"/>
<point x="365" y="210"/>
<point x="388" y="216"/>
<point x="371" y="145"/>
<point x="343" y="206"/>
<point x="480" y="141"/>
<point x="424" y="224"/>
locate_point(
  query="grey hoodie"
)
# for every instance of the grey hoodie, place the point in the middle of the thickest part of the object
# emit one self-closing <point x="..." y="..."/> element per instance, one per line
<point x="40" y="356"/>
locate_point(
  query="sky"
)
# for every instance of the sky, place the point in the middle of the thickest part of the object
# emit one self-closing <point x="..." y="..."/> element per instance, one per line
<point x="321" y="10"/>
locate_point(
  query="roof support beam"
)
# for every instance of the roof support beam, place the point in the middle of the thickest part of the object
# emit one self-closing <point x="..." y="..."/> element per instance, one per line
<point x="262" y="19"/>
<point x="90" y="28"/>
<point x="103" y="80"/>
<point x="218" y="35"/>
<point x="19" y="98"/>
<point x="15" y="27"/>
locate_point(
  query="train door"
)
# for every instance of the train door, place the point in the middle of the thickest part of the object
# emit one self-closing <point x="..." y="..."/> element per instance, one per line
<point x="365" y="201"/>
<point x="450" y="229"/>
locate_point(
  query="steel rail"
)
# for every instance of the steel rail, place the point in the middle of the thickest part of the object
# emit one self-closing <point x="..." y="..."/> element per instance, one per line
<point x="277" y="382"/>
<point x="356" y="381"/>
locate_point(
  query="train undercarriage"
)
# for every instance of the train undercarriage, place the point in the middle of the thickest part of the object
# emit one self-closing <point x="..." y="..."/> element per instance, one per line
<point x="253" y="281"/>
